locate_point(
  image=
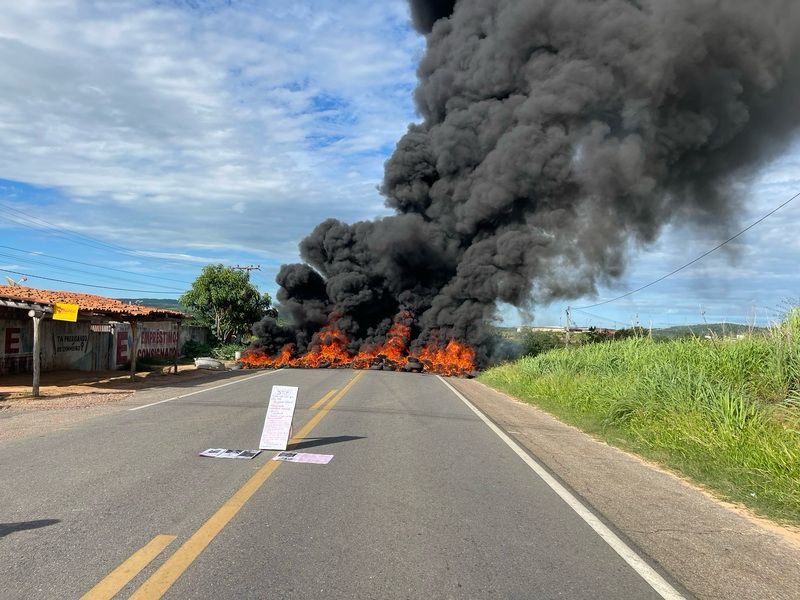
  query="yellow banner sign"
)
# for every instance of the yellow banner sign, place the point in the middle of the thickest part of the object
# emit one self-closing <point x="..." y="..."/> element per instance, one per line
<point x="65" y="312"/>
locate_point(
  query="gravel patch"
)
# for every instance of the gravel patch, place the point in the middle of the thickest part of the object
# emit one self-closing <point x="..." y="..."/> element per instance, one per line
<point x="64" y="401"/>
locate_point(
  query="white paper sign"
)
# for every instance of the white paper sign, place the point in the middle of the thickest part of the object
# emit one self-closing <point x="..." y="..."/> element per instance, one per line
<point x="278" y="424"/>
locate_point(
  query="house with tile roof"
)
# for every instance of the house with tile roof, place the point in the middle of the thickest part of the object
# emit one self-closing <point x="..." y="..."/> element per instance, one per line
<point x="99" y="334"/>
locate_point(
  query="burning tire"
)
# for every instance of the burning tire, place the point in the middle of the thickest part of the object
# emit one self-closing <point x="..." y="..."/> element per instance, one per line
<point x="413" y="366"/>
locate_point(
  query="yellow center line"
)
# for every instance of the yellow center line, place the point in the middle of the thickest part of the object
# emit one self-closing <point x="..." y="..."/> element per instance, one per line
<point x="322" y="400"/>
<point x="119" y="577"/>
<point x="168" y="573"/>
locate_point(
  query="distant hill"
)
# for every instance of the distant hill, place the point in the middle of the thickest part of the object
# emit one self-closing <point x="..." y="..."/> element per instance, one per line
<point x="668" y="333"/>
<point x="703" y="329"/>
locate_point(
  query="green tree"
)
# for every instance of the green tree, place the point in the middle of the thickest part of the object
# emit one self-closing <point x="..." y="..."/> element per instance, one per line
<point x="537" y="342"/>
<point x="224" y="300"/>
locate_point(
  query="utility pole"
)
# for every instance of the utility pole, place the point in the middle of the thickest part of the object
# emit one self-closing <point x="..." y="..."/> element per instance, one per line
<point x="247" y="268"/>
<point x="569" y="326"/>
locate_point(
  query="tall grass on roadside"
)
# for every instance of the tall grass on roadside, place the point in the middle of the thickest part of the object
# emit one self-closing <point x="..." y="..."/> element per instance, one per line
<point x="725" y="412"/>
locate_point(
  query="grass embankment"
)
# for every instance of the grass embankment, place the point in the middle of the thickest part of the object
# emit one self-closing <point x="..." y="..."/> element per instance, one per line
<point x="725" y="412"/>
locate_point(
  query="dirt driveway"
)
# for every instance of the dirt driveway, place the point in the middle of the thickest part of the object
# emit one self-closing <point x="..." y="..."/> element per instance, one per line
<point x="76" y="389"/>
<point x="69" y="397"/>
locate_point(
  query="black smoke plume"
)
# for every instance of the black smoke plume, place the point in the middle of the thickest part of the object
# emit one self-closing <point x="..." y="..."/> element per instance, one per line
<point x="424" y="13"/>
<point x="556" y="135"/>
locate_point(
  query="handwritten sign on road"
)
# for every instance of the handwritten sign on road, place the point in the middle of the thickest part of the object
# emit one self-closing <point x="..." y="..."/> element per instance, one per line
<point x="278" y="424"/>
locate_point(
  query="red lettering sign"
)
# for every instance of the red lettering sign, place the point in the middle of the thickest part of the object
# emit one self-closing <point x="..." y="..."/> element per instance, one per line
<point x="12" y="340"/>
<point x="122" y="347"/>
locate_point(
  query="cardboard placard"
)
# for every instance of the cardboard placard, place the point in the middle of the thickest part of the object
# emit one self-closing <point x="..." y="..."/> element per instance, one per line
<point x="280" y="412"/>
<point x="63" y="311"/>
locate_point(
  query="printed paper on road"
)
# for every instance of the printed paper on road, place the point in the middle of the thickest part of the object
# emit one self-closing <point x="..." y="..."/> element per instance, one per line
<point x="226" y="453"/>
<point x="278" y="424"/>
<point x="304" y="457"/>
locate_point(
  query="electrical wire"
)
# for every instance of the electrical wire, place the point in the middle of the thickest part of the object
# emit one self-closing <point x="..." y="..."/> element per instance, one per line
<point x="89" y="285"/>
<point x="25" y="220"/>
<point x="21" y="218"/>
<point x="698" y="259"/>
<point x="597" y="317"/>
<point x="78" y="262"/>
<point x="27" y="261"/>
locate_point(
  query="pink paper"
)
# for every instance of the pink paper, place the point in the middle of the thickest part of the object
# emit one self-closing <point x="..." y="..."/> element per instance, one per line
<point x="304" y="457"/>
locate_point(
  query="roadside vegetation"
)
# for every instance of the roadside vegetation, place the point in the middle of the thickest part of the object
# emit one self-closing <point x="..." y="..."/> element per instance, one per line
<point x="723" y="411"/>
<point x="225" y="301"/>
<point x="192" y="349"/>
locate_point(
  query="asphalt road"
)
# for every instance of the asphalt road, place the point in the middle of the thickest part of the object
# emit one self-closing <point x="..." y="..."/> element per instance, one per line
<point x="421" y="500"/>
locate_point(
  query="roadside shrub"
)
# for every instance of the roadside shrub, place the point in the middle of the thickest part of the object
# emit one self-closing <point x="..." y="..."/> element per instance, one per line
<point x="227" y="351"/>
<point x="637" y="331"/>
<point x="537" y="342"/>
<point x="192" y="349"/>
<point x="595" y="336"/>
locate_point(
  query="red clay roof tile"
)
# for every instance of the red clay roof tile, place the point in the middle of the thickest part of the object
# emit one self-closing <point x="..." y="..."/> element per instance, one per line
<point x="85" y="302"/>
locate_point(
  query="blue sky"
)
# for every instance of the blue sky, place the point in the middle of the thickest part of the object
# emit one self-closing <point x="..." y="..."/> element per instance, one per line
<point x="149" y="139"/>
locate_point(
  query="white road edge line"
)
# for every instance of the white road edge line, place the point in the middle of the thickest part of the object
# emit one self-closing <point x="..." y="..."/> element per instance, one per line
<point x="656" y="581"/>
<point x="216" y="387"/>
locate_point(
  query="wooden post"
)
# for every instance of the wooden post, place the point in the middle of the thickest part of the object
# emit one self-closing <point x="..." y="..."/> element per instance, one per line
<point x="177" y="344"/>
<point x="134" y="348"/>
<point x="37" y="344"/>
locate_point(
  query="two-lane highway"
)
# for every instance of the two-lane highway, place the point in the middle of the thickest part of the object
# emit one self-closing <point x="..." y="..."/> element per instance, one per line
<point x="423" y="499"/>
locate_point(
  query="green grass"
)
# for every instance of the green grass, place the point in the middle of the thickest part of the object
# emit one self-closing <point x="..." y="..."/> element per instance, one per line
<point x="227" y="351"/>
<point x="725" y="412"/>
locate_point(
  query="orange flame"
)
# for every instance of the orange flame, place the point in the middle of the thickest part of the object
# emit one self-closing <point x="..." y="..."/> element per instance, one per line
<point x="329" y="350"/>
<point x="454" y="359"/>
<point x="254" y="359"/>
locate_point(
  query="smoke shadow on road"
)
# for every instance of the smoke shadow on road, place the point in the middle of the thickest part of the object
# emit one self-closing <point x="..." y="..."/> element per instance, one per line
<point x="324" y="441"/>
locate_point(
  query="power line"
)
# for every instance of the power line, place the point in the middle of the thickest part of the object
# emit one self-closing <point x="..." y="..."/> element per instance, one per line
<point x="78" y="262"/>
<point x="698" y="259"/>
<point x="38" y="224"/>
<point x="607" y="320"/>
<point x="21" y="218"/>
<point x="73" y="269"/>
<point x="102" y="287"/>
<point x="599" y="318"/>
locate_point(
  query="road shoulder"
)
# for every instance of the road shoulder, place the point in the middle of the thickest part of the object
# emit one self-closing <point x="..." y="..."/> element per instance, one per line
<point x="710" y="548"/>
<point x="20" y="420"/>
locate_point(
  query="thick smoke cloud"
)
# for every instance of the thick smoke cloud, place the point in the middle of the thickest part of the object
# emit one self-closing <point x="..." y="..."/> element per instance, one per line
<point x="425" y="13"/>
<point x="556" y="135"/>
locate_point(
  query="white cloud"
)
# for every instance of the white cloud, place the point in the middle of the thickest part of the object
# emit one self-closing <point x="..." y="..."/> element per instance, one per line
<point x="215" y="127"/>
